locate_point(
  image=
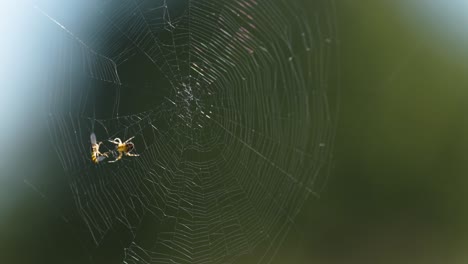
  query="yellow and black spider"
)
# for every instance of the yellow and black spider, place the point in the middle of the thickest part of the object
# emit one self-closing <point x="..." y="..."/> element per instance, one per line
<point x="123" y="148"/>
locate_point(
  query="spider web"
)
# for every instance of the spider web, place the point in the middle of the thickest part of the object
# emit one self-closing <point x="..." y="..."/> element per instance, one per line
<point x="229" y="103"/>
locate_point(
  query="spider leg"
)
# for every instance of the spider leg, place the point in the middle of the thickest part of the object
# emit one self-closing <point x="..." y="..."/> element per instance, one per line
<point x="131" y="154"/>
<point x="129" y="139"/>
<point x="118" y="158"/>
<point x="113" y="141"/>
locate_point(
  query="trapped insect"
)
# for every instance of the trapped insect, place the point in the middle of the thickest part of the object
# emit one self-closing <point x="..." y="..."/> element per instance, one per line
<point x="96" y="155"/>
<point x="123" y="148"/>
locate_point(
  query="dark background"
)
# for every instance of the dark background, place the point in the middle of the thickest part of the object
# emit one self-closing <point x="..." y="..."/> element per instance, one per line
<point x="397" y="189"/>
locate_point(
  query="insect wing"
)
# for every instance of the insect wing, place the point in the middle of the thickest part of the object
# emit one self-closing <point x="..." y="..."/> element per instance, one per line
<point x="93" y="139"/>
<point x="100" y="158"/>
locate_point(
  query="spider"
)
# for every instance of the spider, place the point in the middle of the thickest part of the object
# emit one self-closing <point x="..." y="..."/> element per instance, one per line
<point x="123" y="148"/>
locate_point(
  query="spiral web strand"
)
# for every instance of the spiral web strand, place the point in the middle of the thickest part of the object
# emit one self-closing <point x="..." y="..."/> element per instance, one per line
<point x="236" y="136"/>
